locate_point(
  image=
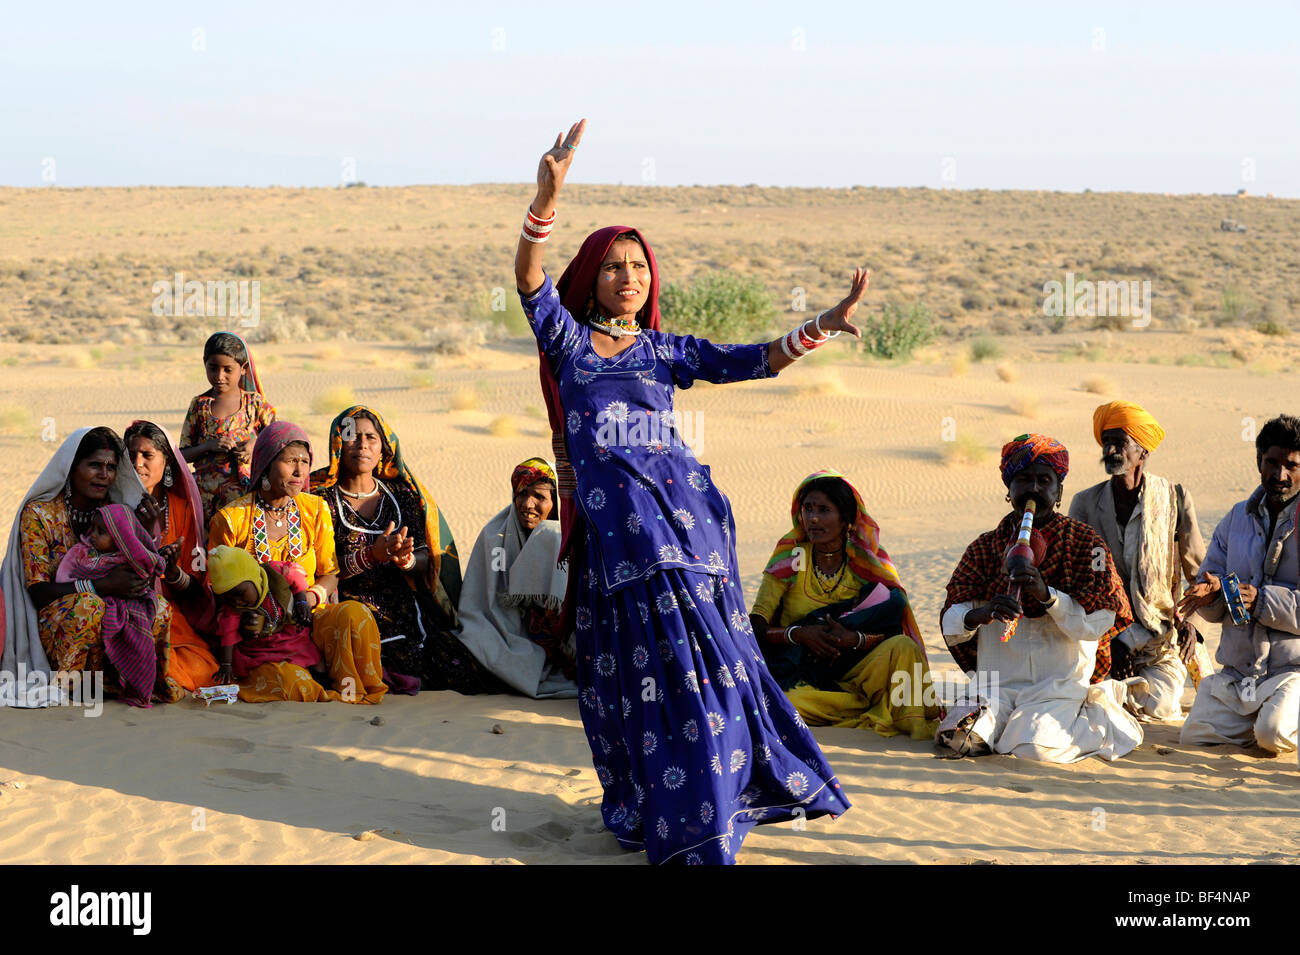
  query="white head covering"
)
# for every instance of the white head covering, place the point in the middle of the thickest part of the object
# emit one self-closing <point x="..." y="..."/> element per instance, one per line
<point x="22" y="642"/>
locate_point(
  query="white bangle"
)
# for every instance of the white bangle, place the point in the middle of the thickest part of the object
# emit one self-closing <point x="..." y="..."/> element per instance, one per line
<point x="788" y="638"/>
<point x="817" y="324"/>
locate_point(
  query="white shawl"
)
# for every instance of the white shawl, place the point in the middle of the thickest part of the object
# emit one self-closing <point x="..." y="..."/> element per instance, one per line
<point x="507" y="569"/>
<point x="23" y="655"/>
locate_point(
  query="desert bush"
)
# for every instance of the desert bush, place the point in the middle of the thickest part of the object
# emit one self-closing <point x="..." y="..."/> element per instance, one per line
<point x="966" y="449"/>
<point x="466" y="399"/>
<point x="719" y="305"/>
<point x="1234" y="306"/>
<point x="897" y="331"/>
<point x="1008" y="372"/>
<point x="984" y="348"/>
<point x="333" y="401"/>
<point x="1099" y="385"/>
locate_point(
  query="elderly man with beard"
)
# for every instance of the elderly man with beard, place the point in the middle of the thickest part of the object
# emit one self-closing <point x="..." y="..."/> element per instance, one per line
<point x="1149" y="524"/>
<point x="1257" y="694"/>
<point x="1042" y="705"/>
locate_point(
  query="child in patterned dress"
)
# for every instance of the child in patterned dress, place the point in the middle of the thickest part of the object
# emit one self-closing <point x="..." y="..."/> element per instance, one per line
<point x="223" y="422"/>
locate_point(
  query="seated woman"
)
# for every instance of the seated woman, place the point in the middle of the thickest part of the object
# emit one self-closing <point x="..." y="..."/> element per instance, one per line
<point x="181" y="532"/>
<point x="834" y="623"/>
<point x="397" y="556"/>
<point x="510" y="607"/>
<point x="282" y="521"/>
<point x="59" y="625"/>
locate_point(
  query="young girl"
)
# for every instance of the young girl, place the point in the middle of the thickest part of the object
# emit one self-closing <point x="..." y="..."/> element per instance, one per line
<point x="223" y="422"/>
<point x="260" y="619"/>
<point x="117" y="538"/>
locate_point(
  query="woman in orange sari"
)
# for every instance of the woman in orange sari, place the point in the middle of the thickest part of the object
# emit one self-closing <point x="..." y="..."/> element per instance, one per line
<point x="167" y="479"/>
<point x="282" y="521"/>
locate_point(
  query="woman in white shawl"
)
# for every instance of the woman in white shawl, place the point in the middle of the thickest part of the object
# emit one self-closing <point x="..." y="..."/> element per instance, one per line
<point x="53" y="623"/>
<point x="511" y="601"/>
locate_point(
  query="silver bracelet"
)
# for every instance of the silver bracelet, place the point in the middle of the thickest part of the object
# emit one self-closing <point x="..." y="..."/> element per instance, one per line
<point x="788" y="631"/>
<point x="862" y="640"/>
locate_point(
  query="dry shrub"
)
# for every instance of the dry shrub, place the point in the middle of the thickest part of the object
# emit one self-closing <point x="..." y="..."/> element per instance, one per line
<point x="328" y="353"/>
<point x="958" y="367"/>
<point x="14" y="419"/>
<point x="965" y="450"/>
<point x="1008" y="373"/>
<point x="421" y="380"/>
<point x="466" y="399"/>
<point x="1099" y="385"/>
<point x="503" y="427"/>
<point x="82" y="360"/>
<point x="823" y="385"/>
<point x="1024" y="406"/>
<point x="333" y="401"/>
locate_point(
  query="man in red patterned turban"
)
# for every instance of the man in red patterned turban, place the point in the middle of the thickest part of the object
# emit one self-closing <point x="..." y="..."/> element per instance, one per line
<point x="1043" y="692"/>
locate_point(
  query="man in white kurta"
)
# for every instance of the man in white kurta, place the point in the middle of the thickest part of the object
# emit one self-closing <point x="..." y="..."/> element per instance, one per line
<point x="1041" y="703"/>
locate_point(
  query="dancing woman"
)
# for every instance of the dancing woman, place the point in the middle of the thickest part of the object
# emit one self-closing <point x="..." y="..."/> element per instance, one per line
<point x="692" y="740"/>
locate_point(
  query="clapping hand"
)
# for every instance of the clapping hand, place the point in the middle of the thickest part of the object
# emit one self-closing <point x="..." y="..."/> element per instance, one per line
<point x="1200" y="595"/>
<point x="393" y="547"/>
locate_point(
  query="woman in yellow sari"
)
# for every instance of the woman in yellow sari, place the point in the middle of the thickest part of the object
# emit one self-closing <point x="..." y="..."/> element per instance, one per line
<point x="281" y="521"/>
<point x="834" y="623"/>
<point x="58" y="626"/>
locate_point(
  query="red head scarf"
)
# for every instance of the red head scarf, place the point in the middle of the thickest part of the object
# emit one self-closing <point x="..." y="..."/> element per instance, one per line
<point x="575" y="290"/>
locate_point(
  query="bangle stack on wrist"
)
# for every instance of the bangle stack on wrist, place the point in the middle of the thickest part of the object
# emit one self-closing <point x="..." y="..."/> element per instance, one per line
<point x="536" y="229"/>
<point x="799" y="342"/>
<point x="86" y="587"/>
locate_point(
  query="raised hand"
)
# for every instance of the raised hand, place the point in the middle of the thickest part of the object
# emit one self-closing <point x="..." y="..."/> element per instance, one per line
<point x="554" y="167"/>
<point x="837" y="319"/>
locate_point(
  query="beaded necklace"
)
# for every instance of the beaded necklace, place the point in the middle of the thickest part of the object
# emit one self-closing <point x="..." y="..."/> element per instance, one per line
<point x="262" y="545"/>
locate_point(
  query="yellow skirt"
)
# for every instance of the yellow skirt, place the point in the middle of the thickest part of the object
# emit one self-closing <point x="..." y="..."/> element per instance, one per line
<point x="348" y="637"/>
<point x="863" y="700"/>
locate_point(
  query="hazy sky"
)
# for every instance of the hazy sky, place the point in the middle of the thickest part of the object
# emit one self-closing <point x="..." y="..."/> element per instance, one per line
<point x="1152" y="97"/>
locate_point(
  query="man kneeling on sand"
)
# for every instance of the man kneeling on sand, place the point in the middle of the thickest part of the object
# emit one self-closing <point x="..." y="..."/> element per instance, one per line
<point x="1257" y="694"/>
<point x="1043" y="706"/>
<point x="1150" y="526"/>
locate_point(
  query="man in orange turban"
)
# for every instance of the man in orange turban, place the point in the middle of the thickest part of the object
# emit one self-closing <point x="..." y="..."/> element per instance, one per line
<point x="1132" y="419"/>
<point x="1149" y="524"/>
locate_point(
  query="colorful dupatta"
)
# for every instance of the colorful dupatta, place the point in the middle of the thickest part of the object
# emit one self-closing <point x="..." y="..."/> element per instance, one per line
<point x="444" y="576"/>
<point x="186" y="527"/>
<point x="868" y="561"/>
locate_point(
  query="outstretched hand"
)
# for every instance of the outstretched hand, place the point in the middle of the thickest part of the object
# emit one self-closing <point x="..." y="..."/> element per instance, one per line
<point x="554" y="165"/>
<point x="837" y="319"/>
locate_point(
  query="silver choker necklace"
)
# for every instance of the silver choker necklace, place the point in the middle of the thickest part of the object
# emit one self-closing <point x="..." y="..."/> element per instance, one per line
<point x="362" y="495"/>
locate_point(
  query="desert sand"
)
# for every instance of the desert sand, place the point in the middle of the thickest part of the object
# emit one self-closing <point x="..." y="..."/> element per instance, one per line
<point x="430" y="780"/>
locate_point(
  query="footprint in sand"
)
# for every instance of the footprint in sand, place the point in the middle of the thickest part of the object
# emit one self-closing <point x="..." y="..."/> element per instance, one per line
<point x="250" y="776"/>
<point x="1021" y="789"/>
<point x="225" y="743"/>
<point x="243" y="714"/>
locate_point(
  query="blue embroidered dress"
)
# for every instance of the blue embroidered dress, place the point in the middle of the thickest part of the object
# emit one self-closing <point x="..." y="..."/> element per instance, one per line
<point x="692" y="739"/>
